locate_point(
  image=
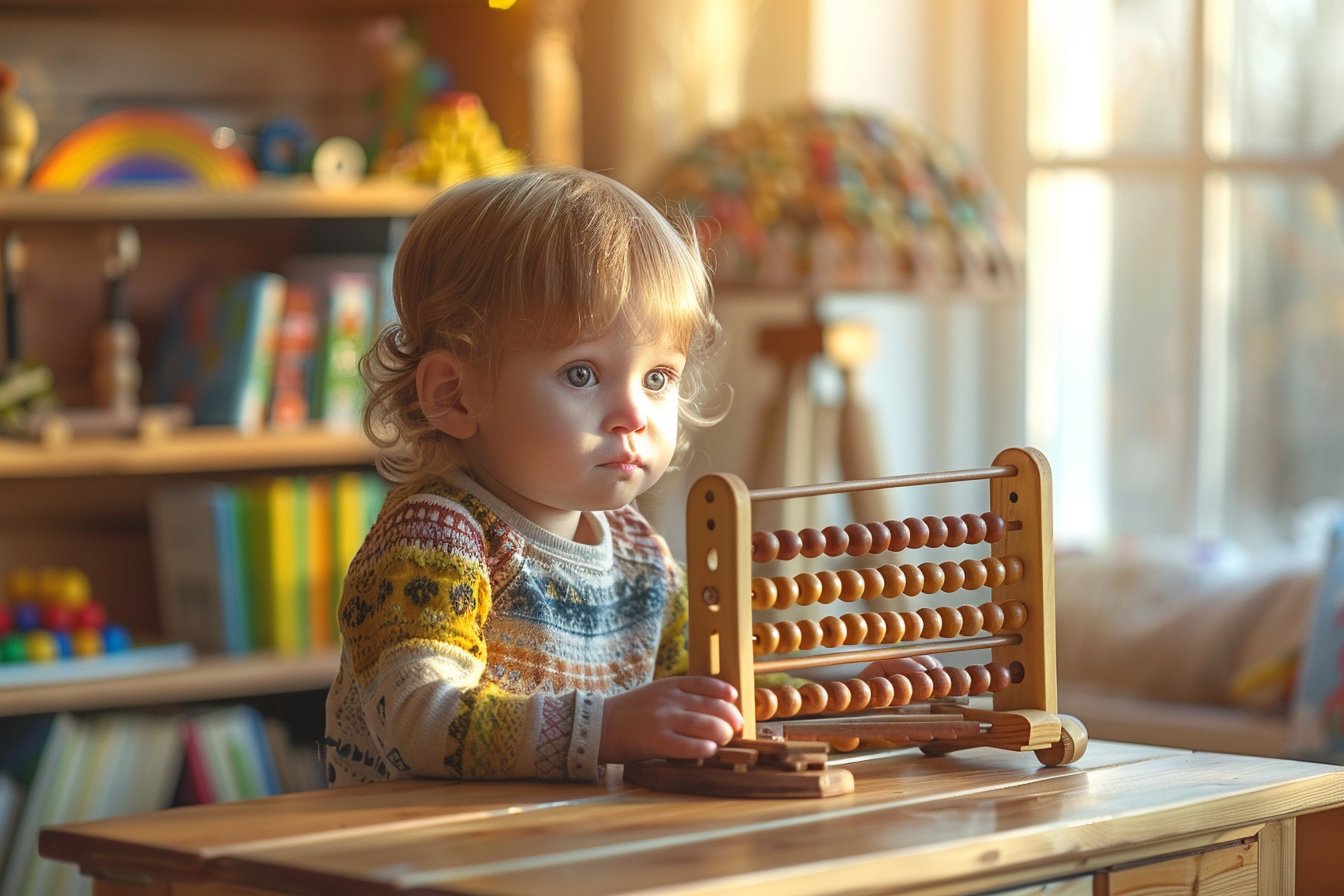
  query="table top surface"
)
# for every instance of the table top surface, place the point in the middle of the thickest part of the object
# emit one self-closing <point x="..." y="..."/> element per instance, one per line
<point x="913" y="823"/>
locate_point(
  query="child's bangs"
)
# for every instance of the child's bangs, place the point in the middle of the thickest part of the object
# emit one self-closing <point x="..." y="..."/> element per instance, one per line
<point x="603" y="268"/>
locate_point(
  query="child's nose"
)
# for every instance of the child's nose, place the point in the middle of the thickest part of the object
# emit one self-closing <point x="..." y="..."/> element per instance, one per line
<point x="629" y="411"/>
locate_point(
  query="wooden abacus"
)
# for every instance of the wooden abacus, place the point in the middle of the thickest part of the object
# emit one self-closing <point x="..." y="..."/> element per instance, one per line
<point x="933" y="708"/>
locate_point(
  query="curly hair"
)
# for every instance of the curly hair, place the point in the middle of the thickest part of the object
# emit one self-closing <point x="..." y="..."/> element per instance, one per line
<point x="543" y="258"/>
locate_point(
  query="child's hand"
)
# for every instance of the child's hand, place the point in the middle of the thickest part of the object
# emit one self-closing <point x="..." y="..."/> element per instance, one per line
<point x="900" y="666"/>
<point x="686" y="717"/>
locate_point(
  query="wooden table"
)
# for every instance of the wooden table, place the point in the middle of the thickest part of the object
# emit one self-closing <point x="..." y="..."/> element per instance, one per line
<point x="1125" y="819"/>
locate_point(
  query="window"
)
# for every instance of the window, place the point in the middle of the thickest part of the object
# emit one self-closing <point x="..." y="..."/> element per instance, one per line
<point x="1185" y="348"/>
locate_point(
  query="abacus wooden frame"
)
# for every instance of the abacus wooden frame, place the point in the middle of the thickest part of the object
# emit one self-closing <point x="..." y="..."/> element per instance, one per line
<point x="1024" y="716"/>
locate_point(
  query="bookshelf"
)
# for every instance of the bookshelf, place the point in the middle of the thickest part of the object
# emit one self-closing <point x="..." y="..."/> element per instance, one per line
<point x="84" y="503"/>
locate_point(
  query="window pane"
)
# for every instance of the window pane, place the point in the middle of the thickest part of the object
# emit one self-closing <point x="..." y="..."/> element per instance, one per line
<point x="1282" y="84"/>
<point x="1112" y="351"/>
<point x="1287" y="334"/>
<point x="1109" y="76"/>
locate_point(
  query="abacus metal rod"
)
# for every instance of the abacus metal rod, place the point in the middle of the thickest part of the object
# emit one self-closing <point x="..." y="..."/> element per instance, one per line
<point x="861" y="485"/>
<point x="919" y="648"/>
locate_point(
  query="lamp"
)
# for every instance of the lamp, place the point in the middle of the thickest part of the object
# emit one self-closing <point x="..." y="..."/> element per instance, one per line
<point x="822" y="201"/>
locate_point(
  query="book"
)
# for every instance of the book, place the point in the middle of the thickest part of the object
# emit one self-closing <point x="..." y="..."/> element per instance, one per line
<point x="238" y="359"/>
<point x="175" y="377"/>
<point x="317" y="269"/>
<point x="321" y="566"/>
<point x="347" y="330"/>
<point x="198" y="566"/>
<point x="275" y="514"/>
<point x="60" y="776"/>
<point x="295" y="356"/>
<point x="235" y="753"/>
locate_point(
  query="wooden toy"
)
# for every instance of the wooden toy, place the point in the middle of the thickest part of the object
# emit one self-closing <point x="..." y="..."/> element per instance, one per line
<point x="744" y="597"/>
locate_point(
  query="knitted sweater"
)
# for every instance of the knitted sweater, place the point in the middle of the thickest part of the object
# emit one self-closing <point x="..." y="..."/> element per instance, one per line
<point x="478" y="645"/>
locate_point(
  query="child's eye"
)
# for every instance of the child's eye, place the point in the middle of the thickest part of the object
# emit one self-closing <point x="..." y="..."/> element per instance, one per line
<point x="658" y="380"/>
<point x="580" y="375"/>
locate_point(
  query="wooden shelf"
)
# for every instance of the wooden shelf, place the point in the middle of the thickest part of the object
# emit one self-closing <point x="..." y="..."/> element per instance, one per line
<point x="210" y="678"/>
<point x="194" y="450"/>
<point x="289" y="198"/>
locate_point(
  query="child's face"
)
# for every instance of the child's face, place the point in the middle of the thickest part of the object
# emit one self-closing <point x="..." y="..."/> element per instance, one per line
<point x="587" y="426"/>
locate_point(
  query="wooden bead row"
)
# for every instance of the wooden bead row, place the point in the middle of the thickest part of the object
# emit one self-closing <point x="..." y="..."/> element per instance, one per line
<point x="889" y="627"/>
<point x="879" y="692"/>
<point x="857" y="539"/>
<point x="889" y="580"/>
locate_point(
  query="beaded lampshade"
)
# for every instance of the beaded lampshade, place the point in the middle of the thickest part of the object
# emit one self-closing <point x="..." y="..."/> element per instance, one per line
<point x="832" y="200"/>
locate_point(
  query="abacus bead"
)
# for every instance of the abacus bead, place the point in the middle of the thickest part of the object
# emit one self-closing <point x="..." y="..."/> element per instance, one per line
<point x="851" y="585"/>
<point x="895" y="626"/>
<point x="764" y="547"/>
<point x="933" y="576"/>
<point x="900" y="535"/>
<point x="993" y="617"/>
<point x="763" y="593"/>
<point x="921" y="686"/>
<point x="961" y="681"/>
<point x="932" y="622"/>
<point x="914" y="579"/>
<point x="956" y="531"/>
<point x="809" y="588"/>
<point x="952" y="622"/>
<point x="767" y="704"/>
<point x="873" y="583"/>
<point x="790" y="702"/>
<point x="786" y="592"/>
<point x="765" y="639"/>
<point x="1012" y="570"/>
<point x="972" y="620"/>
<point x="813" y="542"/>
<point x="860" y="540"/>
<point x="979" y="680"/>
<point x="893" y="580"/>
<point x="830" y="586"/>
<point x="953" y="576"/>
<point x="790" y="636"/>
<point x="901" y="690"/>
<point x="789" y="544"/>
<point x="914" y="625"/>
<point x="860" y="695"/>
<point x="877" y="628"/>
<point x="919" y="531"/>
<point x="999" y="677"/>
<point x="880" y="535"/>
<point x="975" y="527"/>
<point x="832" y="631"/>
<point x="937" y="532"/>
<point x="1014" y="614"/>
<point x="994" y="571"/>
<point x="836" y="541"/>
<point x="810" y="630"/>
<point x="843" y="744"/>
<point x="994" y="526"/>
<point x="856" y="628"/>
<point x="975" y="574"/>
<point x="942" y="682"/>
<point x="881" y="692"/>
<point x="837" y="696"/>
<point x="813" y="698"/>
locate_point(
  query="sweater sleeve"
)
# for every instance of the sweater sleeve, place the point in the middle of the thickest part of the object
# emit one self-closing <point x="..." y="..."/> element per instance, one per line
<point x="412" y="618"/>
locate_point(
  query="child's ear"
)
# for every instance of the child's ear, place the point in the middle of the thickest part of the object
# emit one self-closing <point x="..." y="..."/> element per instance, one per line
<point x="443" y="385"/>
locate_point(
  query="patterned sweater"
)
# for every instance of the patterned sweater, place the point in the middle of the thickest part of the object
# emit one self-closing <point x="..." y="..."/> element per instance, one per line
<point x="478" y="645"/>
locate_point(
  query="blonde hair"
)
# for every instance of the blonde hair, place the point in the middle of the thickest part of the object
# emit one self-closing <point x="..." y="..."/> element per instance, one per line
<point x="546" y="257"/>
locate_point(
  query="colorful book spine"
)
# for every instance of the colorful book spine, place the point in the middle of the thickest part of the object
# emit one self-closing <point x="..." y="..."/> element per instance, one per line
<point x="238" y="361"/>
<point x="338" y="400"/>
<point x="295" y="357"/>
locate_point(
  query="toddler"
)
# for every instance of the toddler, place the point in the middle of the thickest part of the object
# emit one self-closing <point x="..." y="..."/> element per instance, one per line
<point x="510" y="613"/>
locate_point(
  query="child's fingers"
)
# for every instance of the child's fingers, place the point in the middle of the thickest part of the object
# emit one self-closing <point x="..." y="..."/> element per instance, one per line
<point x="706" y="686"/>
